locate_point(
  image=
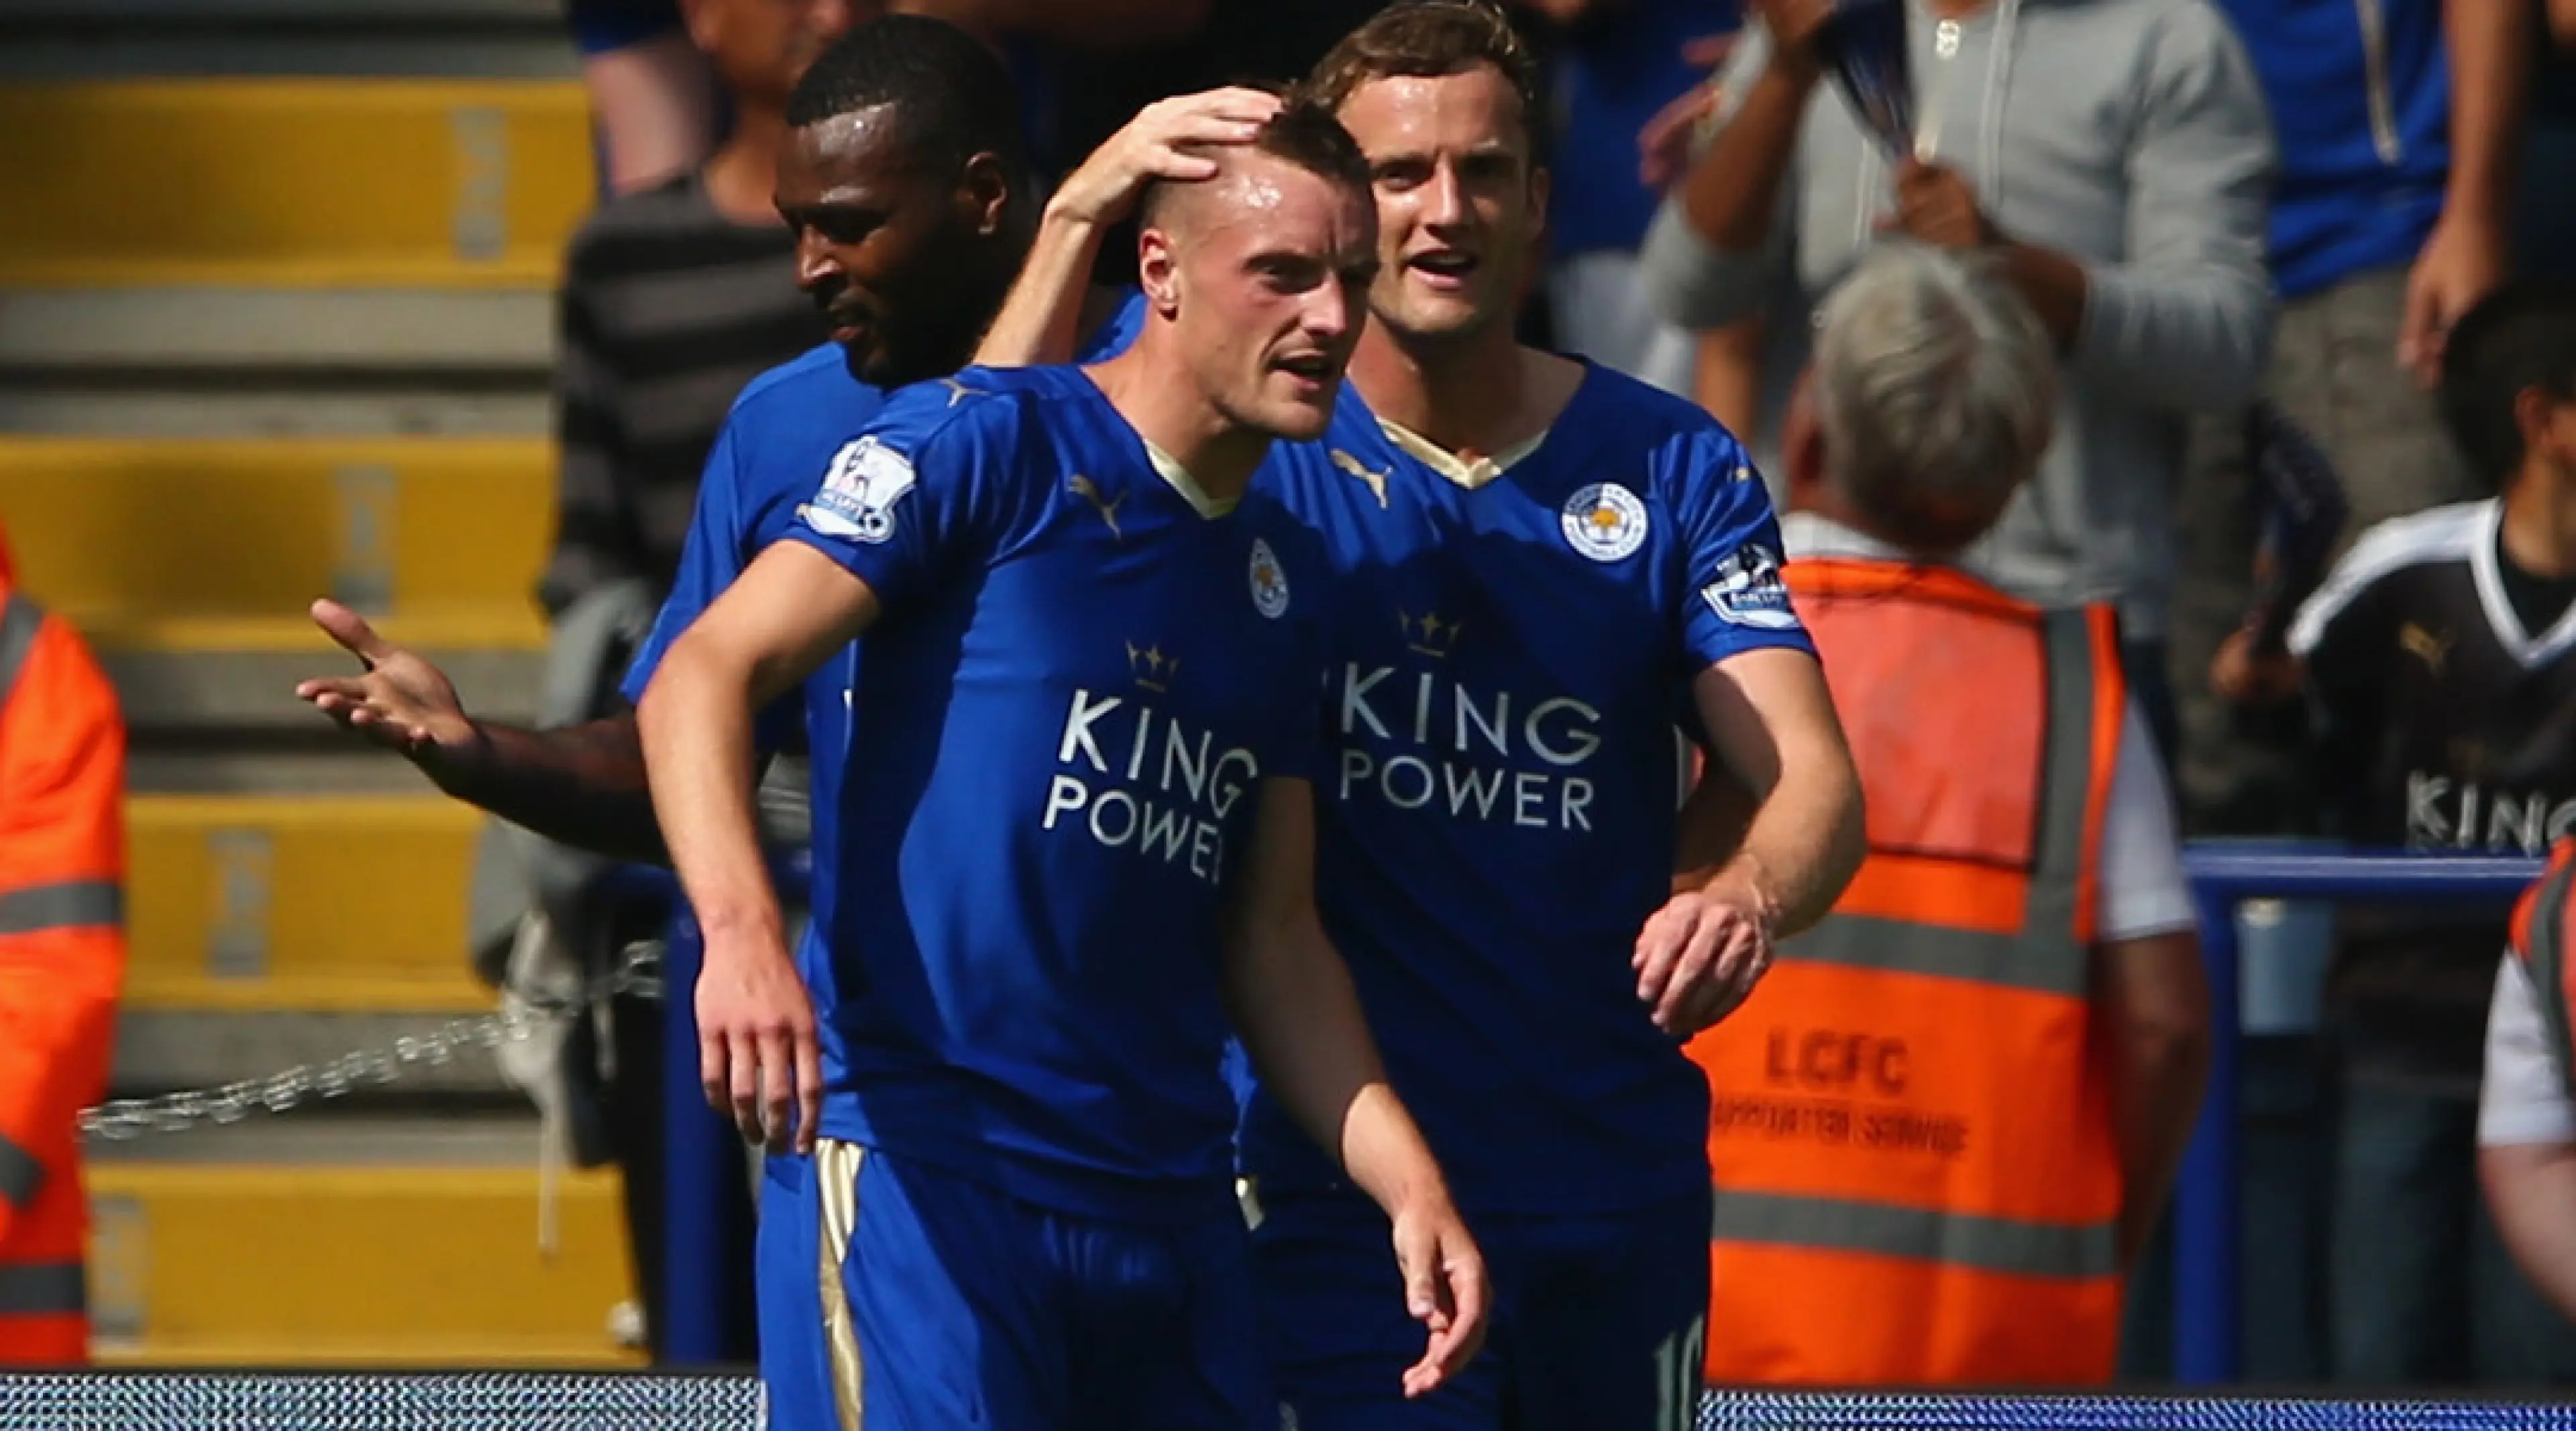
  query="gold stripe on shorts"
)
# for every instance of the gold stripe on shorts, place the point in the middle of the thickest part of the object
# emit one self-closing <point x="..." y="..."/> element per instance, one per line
<point x="836" y="1174"/>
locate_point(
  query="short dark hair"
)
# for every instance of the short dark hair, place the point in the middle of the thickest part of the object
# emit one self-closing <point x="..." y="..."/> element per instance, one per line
<point x="2521" y="336"/>
<point x="953" y="98"/>
<point x="1430" y="39"/>
<point x="1301" y="133"/>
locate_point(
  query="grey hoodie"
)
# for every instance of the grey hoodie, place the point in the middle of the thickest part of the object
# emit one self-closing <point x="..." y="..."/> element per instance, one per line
<point x="2128" y="135"/>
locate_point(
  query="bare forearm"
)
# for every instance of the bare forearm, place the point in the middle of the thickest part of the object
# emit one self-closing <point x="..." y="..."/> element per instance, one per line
<point x="1805" y="842"/>
<point x="2156" y="1089"/>
<point x="2491" y="44"/>
<point x="1734" y="190"/>
<point x="1300" y="1021"/>
<point x="1040" y="322"/>
<point x="2052" y="284"/>
<point x="695" y="722"/>
<point x="581" y="785"/>
<point x="2532" y="1190"/>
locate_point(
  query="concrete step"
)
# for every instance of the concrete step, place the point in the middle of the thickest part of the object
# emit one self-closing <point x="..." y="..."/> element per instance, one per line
<point x="168" y="405"/>
<point x="112" y="531"/>
<point x="301" y="183"/>
<point x="289" y="1264"/>
<point x="347" y="904"/>
<point x="317" y="762"/>
<point x="341" y="342"/>
<point x="178" y="678"/>
<point x="55" y="39"/>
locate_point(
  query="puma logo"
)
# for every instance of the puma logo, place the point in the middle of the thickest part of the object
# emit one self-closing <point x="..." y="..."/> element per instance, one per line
<point x="2424" y="646"/>
<point x="958" y="392"/>
<point x="1089" y="491"/>
<point x="1376" y="480"/>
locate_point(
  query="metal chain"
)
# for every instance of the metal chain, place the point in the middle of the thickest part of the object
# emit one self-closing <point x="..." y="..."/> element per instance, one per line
<point x="638" y="974"/>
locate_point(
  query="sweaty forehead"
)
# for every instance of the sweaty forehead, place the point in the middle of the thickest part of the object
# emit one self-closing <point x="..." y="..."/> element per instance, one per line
<point x="1269" y="201"/>
<point x="1419" y="114"/>
<point x="860" y="148"/>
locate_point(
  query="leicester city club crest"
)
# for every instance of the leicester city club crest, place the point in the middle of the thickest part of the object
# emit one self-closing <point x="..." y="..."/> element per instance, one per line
<point x="1604" y="521"/>
<point x="1269" y="583"/>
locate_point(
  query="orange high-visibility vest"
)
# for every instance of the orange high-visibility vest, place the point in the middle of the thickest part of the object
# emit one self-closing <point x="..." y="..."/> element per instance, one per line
<point x="2541" y="936"/>
<point x="1917" y="1179"/>
<point x="62" y="961"/>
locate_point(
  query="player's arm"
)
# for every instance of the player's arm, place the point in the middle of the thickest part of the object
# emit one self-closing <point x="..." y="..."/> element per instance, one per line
<point x="1044" y="316"/>
<point x="579" y="785"/>
<point x="791" y="610"/>
<point x="1293" y="1006"/>
<point x="1778" y="753"/>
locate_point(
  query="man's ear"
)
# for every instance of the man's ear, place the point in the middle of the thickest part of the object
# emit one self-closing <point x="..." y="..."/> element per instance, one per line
<point x="1158" y="271"/>
<point x="984" y="194"/>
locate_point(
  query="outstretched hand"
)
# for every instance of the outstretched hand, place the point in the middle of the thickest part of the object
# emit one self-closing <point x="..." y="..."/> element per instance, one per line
<point x="400" y="701"/>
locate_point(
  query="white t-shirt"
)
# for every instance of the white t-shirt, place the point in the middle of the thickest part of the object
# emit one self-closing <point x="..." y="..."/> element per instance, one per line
<point x="2524" y="1096"/>
<point x="2143" y="889"/>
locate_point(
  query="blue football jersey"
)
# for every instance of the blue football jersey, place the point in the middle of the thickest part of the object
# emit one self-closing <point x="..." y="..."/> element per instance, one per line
<point x="1506" y="661"/>
<point x="782" y="430"/>
<point x="1079" y="677"/>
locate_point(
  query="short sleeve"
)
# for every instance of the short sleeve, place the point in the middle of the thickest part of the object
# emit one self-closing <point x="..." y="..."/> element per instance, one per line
<point x="1731" y="546"/>
<point x="2144" y="892"/>
<point x="929" y="486"/>
<point x="719" y="545"/>
<point x="2523" y="1096"/>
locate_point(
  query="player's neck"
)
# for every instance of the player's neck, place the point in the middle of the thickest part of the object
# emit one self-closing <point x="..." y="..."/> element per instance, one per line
<point x="2539" y="530"/>
<point x="742" y="177"/>
<point x="1168" y="413"/>
<point x="1472" y="397"/>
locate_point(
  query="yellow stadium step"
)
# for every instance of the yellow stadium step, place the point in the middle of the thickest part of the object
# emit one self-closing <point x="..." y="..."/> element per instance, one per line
<point x="175" y="538"/>
<point x="293" y="182"/>
<point x="241" y="904"/>
<point x="284" y="1265"/>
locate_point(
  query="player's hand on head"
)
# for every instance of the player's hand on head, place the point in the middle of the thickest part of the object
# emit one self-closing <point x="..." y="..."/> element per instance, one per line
<point x="757" y="1055"/>
<point x="399" y="701"/>
<point x="1700" y="956"/>
<point x="1444" y="1289"/>
<point x="1161" y="142"/>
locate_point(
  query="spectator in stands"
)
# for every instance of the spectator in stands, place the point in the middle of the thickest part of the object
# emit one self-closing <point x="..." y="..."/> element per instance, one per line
<point x="2114" y="154"/>
<point x="2440" y="660"/>
<point x="672" y="299"/>
<point x="2392" y="217"/>
<point x="2527" y="1103"/>
<point x="1627" y="82"/>
<point x="654" y="105"/>
<point x="62" y="962"/>
<point x="1948" y="1121"/>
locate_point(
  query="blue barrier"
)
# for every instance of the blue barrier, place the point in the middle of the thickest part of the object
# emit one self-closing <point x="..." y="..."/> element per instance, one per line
<point x="701" y="1144"/>
<point x="2208" y="1295"/>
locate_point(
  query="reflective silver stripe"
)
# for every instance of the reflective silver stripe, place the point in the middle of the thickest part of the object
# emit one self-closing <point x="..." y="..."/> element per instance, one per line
<point x="2044" y="956"/>
<point x="20" y="1174"/>
<point x="40" y="1289"/>
<point x="1982" y="1244"/>
<point x="2548" y="956"/>
<point x="73" y="904"/>
<point x="20" y="619"/>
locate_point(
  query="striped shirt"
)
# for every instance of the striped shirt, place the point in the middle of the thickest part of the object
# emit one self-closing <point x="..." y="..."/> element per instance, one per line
<point x="667" y="309"/>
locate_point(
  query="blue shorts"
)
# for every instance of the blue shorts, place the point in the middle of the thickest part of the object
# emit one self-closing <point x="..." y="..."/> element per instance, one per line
<point x="898" y="1298"/>
<point x="1598" y="1322"/>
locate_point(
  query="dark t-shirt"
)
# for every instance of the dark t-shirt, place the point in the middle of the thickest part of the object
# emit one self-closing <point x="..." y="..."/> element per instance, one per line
<point x="2446" y="700"/>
